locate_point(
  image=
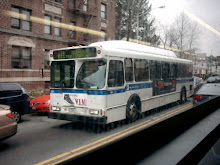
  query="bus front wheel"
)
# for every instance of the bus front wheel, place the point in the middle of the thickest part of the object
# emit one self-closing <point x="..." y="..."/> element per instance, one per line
<point x="132" y="110"/>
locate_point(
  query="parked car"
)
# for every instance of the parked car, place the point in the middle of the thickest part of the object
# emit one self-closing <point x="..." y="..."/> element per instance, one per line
<point x="213" y="79"/>
<point x="8" y="127"/>
<point x="41" y="104"/>
<point x="206" y="92"/>
<point x="14" y="95"/>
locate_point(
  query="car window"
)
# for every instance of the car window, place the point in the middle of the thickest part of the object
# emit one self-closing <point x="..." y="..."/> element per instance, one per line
<point x="10" y="90"/>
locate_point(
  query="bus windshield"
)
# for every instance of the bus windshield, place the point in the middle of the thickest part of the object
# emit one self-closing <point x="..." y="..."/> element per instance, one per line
<point x="91" y="75"/>
<point x="62" y="74"/>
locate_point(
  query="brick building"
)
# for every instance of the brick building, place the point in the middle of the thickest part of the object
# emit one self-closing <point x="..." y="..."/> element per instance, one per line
<point x="29" y="29"/>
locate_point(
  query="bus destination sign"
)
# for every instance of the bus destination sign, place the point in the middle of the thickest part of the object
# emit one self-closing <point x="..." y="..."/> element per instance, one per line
<point x="75" y="53"/>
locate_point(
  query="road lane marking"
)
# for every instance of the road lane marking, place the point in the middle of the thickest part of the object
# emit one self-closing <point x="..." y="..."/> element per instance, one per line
<point x="108" y="138"/>
<point x="115" y="138"/>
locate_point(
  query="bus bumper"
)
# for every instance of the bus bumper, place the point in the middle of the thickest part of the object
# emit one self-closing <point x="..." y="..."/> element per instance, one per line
<point x="72" y="117"/>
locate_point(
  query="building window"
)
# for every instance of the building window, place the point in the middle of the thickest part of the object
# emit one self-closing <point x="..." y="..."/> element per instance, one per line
<point x="47" y="24"/>
<point x="72" y="32"/>
<point x="21" y="18"/>
<point x="59" y="1"/>
<point x="21" y="57"/>
<point x="73" y="3"/>
<point x="85" y="5"/>
<point x="103" y="35"/>
<point x="103" y="11"/>
<point x="86" y="36"/>
<point x="57" y="29"/>
<point x="46" y="59"/>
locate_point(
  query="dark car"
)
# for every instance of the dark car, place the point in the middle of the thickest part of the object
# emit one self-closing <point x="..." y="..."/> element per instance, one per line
<point x="206" y="92"/>
<point x="14" y="95"/>
<point x="8" y="127"/>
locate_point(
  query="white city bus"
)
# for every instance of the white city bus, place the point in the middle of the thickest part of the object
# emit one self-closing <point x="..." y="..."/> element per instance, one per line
<point x="115" y="80"/>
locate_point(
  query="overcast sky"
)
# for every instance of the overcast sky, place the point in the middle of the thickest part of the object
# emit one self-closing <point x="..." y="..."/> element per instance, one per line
<point x="206" y="10"/>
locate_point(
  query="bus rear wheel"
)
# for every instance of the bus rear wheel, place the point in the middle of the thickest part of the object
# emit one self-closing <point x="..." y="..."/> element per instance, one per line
<point x="132" y="110"/>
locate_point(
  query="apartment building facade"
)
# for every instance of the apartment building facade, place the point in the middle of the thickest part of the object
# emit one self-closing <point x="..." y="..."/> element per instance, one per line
<point x="29" y="29"/>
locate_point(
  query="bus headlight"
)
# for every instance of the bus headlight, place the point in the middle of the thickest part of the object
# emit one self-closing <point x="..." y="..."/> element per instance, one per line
<point x="55" y="108"/>
<point x="94" y="112"/>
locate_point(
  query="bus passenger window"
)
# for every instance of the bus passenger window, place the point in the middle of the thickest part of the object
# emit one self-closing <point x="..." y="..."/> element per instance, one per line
<point x="165" y="70"/>
<point x="115" y="74"/>
<point x="141" y="70"/>
<point x="190" y="71"/>
<point x="128" y="70"/>
<point x="181" y="70"/>
<point x="152" y="70"/>
<point x="174" y="70"/>
<point x="158" y="70"/>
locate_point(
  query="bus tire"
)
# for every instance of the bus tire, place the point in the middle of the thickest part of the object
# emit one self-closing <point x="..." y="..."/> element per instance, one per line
<point x="183" y="97"/>
<point x="133" y="109"/>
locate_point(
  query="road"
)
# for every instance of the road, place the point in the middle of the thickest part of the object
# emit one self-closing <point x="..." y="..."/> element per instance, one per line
<point x="39" y="138"/>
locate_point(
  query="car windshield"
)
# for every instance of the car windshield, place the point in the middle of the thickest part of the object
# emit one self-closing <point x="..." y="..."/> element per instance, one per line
<point x="91" y="75"/>
<point x="210" y="89"/>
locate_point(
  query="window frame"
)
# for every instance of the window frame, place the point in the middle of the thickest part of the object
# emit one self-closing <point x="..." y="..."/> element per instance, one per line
<point x="21" y="22"/>
<point x="46" y="59"/>
<point x="103" y="37"/>
<point x="72" y="32"/>
<point x="58" y="1"/>
<point x="103" y="12"/>
<point x="48" y="25"/>
<point x="57" y="26"/>
<point x="21" y="58"/>
<point x="86" y="5"/>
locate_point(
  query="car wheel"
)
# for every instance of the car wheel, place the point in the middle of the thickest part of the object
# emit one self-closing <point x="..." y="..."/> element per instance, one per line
<point x="17" y="116"/>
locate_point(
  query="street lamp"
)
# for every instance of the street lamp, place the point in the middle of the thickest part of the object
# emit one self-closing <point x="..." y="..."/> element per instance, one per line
<point x="138" y="15"/>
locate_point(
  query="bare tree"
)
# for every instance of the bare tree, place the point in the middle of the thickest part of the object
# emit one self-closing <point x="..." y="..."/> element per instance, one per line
<point x="182" y="34"/>
<point x="193" y="36"/>
<point x="168" y="35"/>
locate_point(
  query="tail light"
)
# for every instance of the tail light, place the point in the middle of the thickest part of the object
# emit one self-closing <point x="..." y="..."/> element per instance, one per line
<point x="197" y="97"/>
<point x="10" y="115"/>
<point x="28" y="99"/>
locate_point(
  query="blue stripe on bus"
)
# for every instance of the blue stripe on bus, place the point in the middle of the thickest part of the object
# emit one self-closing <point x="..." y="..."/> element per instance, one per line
<point x="184" y="80"/>
<point x="105" y="92"/>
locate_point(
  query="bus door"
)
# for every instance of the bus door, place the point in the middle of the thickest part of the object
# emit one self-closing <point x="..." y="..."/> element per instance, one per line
<point x="116" y="91"/>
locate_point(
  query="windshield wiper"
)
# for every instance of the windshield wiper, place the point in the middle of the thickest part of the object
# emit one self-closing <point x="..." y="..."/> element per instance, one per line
<point x="62" y="82"/>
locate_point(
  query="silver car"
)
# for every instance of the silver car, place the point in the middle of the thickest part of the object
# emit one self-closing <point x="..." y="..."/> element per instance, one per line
<point x="206" y="92"/>
<point x="8" y="127"/>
